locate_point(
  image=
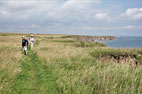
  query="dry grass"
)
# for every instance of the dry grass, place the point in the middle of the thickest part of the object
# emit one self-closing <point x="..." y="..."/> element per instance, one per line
<point x="10" y="54"/>
<point x="77" y="72"/>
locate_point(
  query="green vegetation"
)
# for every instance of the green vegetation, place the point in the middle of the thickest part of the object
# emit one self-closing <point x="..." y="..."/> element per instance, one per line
<point x="68" y="36"/>
<point x="9" y="63"/>
<point x="117" y="53"/>
<point x="89" y="44"/>
<point x="63" y="65"/>
<point x="64" y="41"/>
<point x="106" y="52"/>
<point x="34" y="78"/>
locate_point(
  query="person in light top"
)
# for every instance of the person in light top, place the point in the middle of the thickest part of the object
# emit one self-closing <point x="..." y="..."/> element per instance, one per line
<point x="32" y="41"/>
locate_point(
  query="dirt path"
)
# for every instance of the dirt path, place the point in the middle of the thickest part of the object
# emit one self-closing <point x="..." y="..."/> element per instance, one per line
<point x="35" y="78"/>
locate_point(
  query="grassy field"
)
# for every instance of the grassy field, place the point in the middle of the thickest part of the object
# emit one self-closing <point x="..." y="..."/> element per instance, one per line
<point x="60" y="64"/>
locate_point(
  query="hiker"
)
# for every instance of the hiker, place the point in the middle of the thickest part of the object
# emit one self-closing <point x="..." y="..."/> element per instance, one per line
<point x="24" y="44"/>
<point x="32" y="41"/>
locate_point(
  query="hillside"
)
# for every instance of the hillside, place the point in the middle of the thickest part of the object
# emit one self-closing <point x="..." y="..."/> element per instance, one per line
<point x="61" y="64"/>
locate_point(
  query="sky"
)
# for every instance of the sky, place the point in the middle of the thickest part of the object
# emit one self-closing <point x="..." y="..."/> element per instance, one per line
<point x="79" y="17"/>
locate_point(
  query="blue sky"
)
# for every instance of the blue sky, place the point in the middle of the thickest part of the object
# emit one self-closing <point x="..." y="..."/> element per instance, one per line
<point x="85" y="17"/>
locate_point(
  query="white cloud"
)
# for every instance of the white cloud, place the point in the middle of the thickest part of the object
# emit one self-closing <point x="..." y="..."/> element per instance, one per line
<point x="133" y="27"/>
<point x="45" y="7"/>
<point x="101" y="16"/>
<point x="20" y="3"/>
<point x="102" y="28"/>
<point x="34" y="26"/>
<point x="79" y="3"/>
<point x="133" y="13"/>
<point x="28" y="9"/>
<point x="3" y="13"/>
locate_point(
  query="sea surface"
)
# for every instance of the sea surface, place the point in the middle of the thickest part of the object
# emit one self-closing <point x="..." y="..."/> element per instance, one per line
<point x="124" y="42"/>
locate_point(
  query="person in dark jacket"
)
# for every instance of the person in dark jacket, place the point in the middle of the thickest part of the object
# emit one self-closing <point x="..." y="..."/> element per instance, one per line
<point x="24" y="44"/>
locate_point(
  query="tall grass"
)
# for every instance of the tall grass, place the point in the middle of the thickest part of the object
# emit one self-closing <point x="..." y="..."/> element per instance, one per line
<point x="10" y="56"/>
<point x="75" y="69"/>
<point x="78" y="72"/>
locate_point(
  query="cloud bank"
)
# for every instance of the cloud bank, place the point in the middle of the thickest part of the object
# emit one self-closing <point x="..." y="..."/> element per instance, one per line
<point x="65" y="16"/>
<point x="133" y="13"/>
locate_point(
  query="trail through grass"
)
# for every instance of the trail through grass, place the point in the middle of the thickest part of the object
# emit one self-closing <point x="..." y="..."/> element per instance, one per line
<point x="62" y="65"/>
<point x="35" y="78"/>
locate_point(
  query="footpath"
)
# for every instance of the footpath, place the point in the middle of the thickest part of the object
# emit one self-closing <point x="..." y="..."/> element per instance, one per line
<point x="34" y="78"/>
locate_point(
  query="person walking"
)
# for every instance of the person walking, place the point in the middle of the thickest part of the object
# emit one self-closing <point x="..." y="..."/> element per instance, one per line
<point x="24" y="44"/>
<point x="32" y="41"/>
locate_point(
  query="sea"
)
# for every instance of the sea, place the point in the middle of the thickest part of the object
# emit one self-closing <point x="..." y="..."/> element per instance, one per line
<point x="124" y="42"/>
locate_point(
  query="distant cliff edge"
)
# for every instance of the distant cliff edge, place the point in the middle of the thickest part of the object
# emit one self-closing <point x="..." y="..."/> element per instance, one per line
<point x="94" y="38"/>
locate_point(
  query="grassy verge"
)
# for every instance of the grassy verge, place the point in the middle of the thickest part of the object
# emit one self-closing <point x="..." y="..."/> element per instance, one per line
<point x="9" y="64"/>
<point x="118" y="54"/>
<point x="84" y="75"/>
<point x="78" y="72"/>
<point x="89" y="44"/>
